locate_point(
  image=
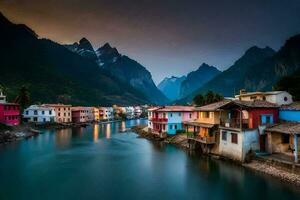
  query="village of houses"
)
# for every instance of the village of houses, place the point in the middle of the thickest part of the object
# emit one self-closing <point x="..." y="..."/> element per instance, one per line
<point x="265" y="125"/>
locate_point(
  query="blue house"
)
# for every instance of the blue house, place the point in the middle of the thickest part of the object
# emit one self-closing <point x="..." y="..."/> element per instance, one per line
<point x="290" y="112"/>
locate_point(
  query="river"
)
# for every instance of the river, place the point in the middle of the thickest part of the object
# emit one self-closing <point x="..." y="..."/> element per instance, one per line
<point x="103" y="162"/>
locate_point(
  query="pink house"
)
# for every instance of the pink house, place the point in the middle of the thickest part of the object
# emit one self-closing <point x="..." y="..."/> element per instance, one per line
<point x="10" y="113"/>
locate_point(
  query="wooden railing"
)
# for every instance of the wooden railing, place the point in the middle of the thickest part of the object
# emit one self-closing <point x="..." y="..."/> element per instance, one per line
<point x="205" y="140"/>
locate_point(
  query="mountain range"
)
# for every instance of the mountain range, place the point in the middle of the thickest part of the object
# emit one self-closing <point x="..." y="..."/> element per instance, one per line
<point x="179" y="87"/>
<point x="122" y="67"/>
<point x="53" y="73"/>
<point x="259" y="69"/>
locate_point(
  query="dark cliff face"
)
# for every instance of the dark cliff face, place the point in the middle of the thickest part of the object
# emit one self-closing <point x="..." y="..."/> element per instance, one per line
<point x="127" y="70"/>
<point x="245" y="73"/>
<point x="54" y="74"/>
<point x="170" y="87"/>
<point x="197" y="78"/>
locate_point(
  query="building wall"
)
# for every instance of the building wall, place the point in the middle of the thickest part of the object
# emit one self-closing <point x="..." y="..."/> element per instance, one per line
<point x="214" y="117"/>
<point x="246" y="140"/>
<point x="172" y="128"/>
<point x="283" y="98"/>
<point x="289" y="115"/>
<point x="41" y="115"/>
<point x="63" y="114"/>
<point x="10" y="115"/>
<point x="189" y="116"/>
<point x="255" y="114"/>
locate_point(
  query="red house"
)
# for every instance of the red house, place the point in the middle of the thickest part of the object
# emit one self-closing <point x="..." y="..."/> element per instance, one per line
<point x="10" y="113"/>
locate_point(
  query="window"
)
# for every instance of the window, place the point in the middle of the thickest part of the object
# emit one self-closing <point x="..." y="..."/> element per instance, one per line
<point x="43" y="112"/>
<point x="224" y="135"/>
<point x="171" y="115"/>
<point x="50" y="112"/>
<point x="285" y="139"/>
<point x="285" y="98"/>
<point x="205" y="114"/>
<point x="164" y="127"/>
<point x="190" y="115"/>
<point x="268" y="119"/>
<point x="234" y="138"/>
<point x="26" y="112"/>
<point x="171" y="127"/>
<point x="35" y="112"/>
<point x="179" y="114"/>
<point x="175" y="126"/>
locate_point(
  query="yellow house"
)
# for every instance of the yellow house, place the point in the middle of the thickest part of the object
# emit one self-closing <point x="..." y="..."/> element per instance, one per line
<point x="205" y="128"/>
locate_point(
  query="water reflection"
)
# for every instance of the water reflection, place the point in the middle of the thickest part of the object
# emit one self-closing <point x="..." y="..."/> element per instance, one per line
<point x="63" y="137"/>
<point x="108" y="131"/>
<point x="96" y="133"/>
<point x="123" y="126"/>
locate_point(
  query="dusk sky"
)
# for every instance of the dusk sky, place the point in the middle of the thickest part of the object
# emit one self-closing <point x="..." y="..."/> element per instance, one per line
<point x="168" y="37"/>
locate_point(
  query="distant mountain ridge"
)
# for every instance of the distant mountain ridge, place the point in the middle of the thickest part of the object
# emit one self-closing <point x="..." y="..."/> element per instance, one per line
<point x="259" y="69"/>
<point x="122" y="67"/>
<point x="171" y="87"/>
<point x="54" y="74"/>
<point x="197" y="78"/>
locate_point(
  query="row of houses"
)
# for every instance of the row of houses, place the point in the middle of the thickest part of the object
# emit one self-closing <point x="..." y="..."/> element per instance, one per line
<point x="258" y="122"/>
<point x="10" y="113"/>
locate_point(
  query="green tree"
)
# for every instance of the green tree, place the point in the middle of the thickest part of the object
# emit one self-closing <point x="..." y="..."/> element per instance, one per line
<point x="23" y="98"/>
<point x="199" y="100"/>
<point x="208" y="98"/>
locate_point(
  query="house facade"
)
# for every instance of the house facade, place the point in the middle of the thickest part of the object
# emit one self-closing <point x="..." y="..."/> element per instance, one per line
<point x="106" y="113"/>
<point x="63" y="113"/>
<point x="80" y="114"/>
<point x="205" y="128"/>
<point x="9" y="112"/>
<point x="39" y="114"/>
<point x="169" y="119"/>
<point x="290" y="113"/>
<point x="242" y="127"/>
<point x="277" y="97"/>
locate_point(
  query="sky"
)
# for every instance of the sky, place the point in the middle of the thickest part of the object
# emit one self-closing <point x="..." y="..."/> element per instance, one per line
<point x="168" y="37"/>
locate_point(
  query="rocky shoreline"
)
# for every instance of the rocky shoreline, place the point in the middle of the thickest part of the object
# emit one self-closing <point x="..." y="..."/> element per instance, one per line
<point x="258" y="166"/>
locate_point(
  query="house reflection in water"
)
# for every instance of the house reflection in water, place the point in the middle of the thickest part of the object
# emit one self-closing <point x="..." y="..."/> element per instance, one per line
<point x="96" y="133"/>
<point x="123" y="126"/>
<point x="108" y="131"/>
<point x="63" y="137"/>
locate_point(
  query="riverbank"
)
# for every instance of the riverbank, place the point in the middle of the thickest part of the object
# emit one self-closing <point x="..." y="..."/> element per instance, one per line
<point x="256" y="165"/>
<point x="13" y="133"/>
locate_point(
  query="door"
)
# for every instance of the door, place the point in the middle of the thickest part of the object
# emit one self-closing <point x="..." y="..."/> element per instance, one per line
<point x="262" y="142"/>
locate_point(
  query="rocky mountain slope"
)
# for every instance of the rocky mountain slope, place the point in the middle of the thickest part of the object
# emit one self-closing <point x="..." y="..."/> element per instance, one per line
<point x="122" y="67"/>
<point x="54" y="74"/>
<point x="170" y="87"/>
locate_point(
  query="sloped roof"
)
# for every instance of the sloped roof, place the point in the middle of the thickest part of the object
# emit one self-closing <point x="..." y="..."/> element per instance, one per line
<point x="285" y="127"/>
<point x="176" y="109"/>
<point x="252" y="104"/>
<point x="292" y="106"/>
<point x="212" y="106"/>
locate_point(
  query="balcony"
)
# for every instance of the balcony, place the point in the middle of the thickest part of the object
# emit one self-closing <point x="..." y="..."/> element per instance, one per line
<point x="236" y="123"/>
<point x="159" y="119"/>
<point x="205" y="140"/>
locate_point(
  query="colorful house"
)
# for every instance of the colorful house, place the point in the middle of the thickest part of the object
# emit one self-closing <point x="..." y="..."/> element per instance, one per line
<point x="168" y="119"/>
<point x="277" y="97"/>
<point x="63" y="113"/>
<point x="205" y="129"/>
<point x="96" y="114"/>
<point x="106" y="113"/>
<point x="80" y="114"/>
<point x="283" y="139"/>
<point x="9" y="112"/>
<point x="290" y="113"/>
<point x="39" y="114"/>
<point x="242" y="127"/>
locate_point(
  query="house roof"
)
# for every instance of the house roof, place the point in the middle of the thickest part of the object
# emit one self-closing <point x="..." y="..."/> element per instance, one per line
<point x="212" y="106"/>
<point x="153" y="108"/>
<point x="195" y="123"/>
<point x="57" y="105"/>
<point x="285" y="127"/>
<point x="259" y="93"/>
<point x="251" y="104"/>
<point x="176" y="109"/>
<point x="292" y="106"/>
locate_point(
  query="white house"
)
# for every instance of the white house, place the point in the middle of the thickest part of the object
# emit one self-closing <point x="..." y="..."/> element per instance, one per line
<point x="106" y="113"/>
<point x="277" y="97"/>
<point x="37" y="113"/>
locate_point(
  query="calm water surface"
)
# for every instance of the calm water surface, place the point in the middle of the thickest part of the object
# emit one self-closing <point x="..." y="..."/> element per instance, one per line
<point x="101" y="162"/>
